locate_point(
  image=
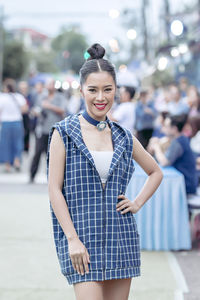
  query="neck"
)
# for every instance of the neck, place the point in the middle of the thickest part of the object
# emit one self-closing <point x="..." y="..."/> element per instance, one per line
<point x="125" y="101"/>
<point x="102" y="118"/>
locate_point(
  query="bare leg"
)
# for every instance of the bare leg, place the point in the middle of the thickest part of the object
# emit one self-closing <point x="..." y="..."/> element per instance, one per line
<point x="17" y="162"/>
<point x="90" y="290"/>
<point x="116" y="289"/>
<point x="7" y="167"/>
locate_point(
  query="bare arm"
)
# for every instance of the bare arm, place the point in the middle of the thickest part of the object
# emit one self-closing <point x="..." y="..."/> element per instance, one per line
<point x="151" y="168"/>
<point x="160" y="156"/>
<point x="155" y="175"/>
<point x="78" y="253"/>
<point x="24" y="108"/>
<point x="55" y="183"/>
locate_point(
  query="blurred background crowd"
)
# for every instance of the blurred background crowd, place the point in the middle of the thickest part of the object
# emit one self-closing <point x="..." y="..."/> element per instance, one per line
<point x="166" y="120"/>
<point x="157" y="66"/>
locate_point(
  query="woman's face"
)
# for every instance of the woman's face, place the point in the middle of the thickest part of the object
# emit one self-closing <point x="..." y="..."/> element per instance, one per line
<point x="98" y="92"/>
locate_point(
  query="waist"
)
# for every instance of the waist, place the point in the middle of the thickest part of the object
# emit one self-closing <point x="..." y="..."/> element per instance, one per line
<point x="11" y="122"/>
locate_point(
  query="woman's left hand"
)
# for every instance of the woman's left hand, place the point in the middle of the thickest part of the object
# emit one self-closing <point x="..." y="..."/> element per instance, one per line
<point x="127" y="205"/>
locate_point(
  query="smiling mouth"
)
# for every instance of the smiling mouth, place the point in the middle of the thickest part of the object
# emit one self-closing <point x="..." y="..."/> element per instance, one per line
<point x="100" y="106"/>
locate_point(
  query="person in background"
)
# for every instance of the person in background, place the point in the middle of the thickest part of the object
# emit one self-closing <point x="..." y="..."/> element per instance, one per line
<point x="194" y="123"/>
<point x="193" y="100"/>
<point x="49" y="109"/>
<point x="158" y="129"/>
<point x="12" y="107"/>
<point x="23" y="89"/>
<point x="179" y="154"/>
<point x="177" y="106"/>
<point x="145" y="117"/>
<point x="159" y="135"/>
<point x="183" y="86"/>
<point x="74" y="104"/>
<point x="162" y="99"/>
<point x="152" y="93"/>
<point x="37" y="92"/>
<point x="124" y="113"/>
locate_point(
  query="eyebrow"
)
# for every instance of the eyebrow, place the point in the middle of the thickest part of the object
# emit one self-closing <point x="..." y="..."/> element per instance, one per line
<point x="93" y="86"/>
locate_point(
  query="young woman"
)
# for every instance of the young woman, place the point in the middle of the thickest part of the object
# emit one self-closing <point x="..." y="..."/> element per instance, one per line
<point x="12" y="107"/>
<point x="89" y="165"/>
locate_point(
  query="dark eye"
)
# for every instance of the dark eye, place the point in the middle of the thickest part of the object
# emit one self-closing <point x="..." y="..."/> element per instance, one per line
<point x="92" y="90"/>
<point x="108" y="90"/>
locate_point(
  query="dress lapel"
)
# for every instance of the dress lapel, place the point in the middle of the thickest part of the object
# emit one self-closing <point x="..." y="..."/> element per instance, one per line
<point x="118" y="138"/>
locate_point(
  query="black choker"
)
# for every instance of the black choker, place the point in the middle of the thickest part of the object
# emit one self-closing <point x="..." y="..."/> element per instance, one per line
<point x="101" y="125"/>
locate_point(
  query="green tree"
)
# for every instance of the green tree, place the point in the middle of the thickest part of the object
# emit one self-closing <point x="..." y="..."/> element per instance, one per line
<point x="45" y="61"/>
<point x="162" y="77"/>
<point x="15" y="60"/>
<point x="69" y="46"/>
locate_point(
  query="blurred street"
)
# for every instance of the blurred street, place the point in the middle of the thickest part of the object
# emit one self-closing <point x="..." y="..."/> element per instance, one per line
<point x="29" y="266"/>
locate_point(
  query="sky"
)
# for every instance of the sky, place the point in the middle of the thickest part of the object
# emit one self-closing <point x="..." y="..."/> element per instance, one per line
<point x="49" y="16"/>
<point x="94" y="19"/>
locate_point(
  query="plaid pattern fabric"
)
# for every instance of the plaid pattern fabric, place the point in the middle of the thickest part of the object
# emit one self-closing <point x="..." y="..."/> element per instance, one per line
<point x="112" y="239"/>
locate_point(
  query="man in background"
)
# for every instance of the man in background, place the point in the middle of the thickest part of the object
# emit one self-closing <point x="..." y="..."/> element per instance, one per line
<point x="179" y="154"/>
<point x="177" y="106"/>
<point x="146" y="114"/>
<point x="49" y="109"/>
<point x="124" y="113"/>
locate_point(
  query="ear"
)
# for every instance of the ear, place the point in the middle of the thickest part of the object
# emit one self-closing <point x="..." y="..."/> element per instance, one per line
<point x="81" y="91"/>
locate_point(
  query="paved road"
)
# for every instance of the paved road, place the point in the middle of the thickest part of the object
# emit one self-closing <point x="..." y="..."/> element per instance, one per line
<point x="28" y="262"/>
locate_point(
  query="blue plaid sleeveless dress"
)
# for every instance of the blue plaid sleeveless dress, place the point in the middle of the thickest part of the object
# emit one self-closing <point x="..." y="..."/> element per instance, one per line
<point x="111" y="238"/>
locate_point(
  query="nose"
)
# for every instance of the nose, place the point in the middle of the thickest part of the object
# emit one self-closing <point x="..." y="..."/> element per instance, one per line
<point x="99" y="95"/>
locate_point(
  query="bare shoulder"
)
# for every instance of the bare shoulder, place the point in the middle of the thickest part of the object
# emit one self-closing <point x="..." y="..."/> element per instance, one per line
<point x="56" y="140"/>
<point x="144" y="158"/>
<point x="56" y="161"/>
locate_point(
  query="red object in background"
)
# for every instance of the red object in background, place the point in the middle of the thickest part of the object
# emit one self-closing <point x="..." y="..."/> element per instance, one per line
<point x="66" y="54"/>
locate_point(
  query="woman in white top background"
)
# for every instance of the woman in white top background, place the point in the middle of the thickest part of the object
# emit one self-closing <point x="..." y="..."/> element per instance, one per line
<point x="12" y="106"/>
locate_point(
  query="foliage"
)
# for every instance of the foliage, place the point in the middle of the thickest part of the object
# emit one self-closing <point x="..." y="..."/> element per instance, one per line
<point x="161" y="77"/>
<point x="69" y="47"/>
<point x="15" y="60"/>
<point x="45" y="61"/>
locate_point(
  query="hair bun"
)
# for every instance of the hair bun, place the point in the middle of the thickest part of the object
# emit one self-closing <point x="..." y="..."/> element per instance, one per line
<point x="96" y="51"/>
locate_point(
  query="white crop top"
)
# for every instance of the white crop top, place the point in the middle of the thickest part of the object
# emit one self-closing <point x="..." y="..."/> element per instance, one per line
<point x="102" y="161"/>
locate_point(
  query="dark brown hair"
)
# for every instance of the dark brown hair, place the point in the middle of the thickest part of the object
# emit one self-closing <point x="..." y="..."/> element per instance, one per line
<point x="96" y="63"/>
<point x="10" y="85"/>
<point x="194" y="122"/>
